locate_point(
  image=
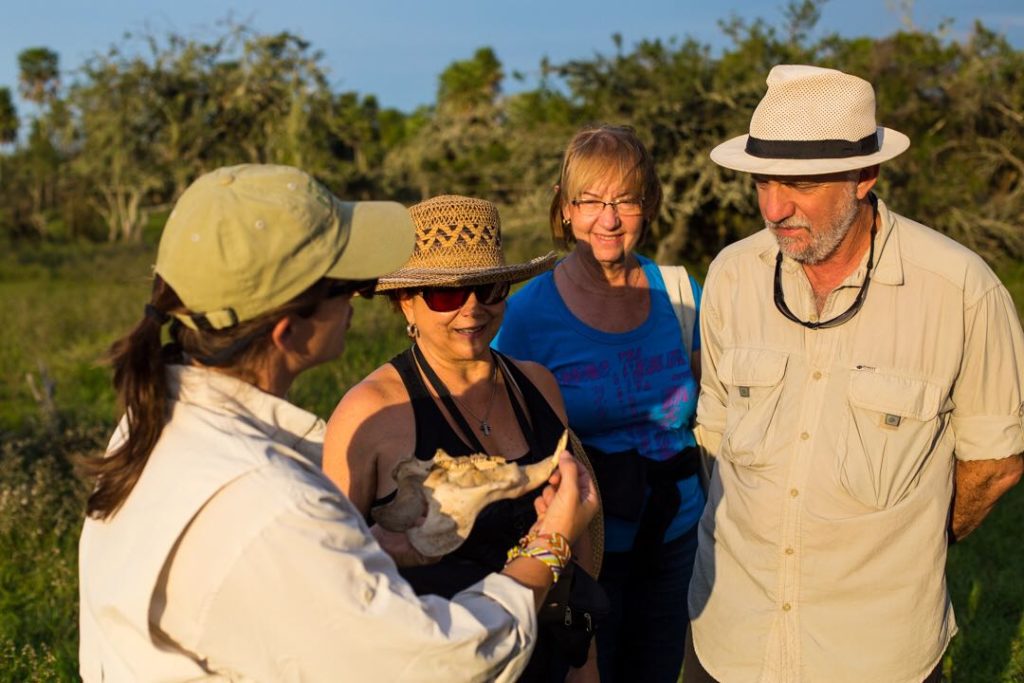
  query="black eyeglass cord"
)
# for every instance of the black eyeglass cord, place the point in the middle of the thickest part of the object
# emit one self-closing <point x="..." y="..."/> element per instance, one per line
<point x="780" y="299"/>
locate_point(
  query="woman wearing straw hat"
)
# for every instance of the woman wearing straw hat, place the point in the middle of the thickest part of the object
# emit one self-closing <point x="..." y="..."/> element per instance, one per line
<point x="603" y="322"/>
<point x="214" y="547"/>
<point x="450" y="390"/>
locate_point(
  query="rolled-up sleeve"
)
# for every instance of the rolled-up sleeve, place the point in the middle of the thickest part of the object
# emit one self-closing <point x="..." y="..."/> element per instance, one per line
<point x="988" y="397"/>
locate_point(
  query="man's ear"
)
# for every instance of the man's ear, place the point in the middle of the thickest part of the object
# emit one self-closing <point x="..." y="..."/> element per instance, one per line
<point x="281" y="334"/>
<point x="866" y="179"/>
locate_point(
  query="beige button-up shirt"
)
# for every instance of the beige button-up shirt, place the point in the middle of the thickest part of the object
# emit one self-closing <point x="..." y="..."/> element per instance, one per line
<point x="235" y="559"/>
<point x="823" y="545"/>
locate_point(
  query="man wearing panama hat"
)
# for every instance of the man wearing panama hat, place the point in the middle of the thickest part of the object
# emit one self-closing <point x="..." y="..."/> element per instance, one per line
<point x="858" y="367"/>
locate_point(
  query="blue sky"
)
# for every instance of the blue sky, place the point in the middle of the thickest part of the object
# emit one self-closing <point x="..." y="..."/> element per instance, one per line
<point x="396" y="48"/>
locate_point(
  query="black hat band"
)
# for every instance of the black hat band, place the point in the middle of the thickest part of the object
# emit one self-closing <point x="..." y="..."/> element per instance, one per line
<point x="812" y="149"/>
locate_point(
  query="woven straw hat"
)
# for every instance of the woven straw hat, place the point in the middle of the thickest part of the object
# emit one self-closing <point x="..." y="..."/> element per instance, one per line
<point x="458" y="242"/>
<point x="812" y="121"/>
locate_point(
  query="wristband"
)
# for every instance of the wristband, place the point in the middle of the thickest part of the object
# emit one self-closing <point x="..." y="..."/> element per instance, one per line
<point x="556" y="542"/>
<point x="554" y="552"/>
<point x="542" y="554"/>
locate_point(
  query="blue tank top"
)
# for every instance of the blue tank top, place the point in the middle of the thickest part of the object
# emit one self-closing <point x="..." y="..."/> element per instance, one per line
<point x="622" y="391"/>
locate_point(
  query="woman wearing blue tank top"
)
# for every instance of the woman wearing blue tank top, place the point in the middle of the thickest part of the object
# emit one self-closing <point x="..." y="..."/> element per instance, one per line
<point x="604" y="326"/>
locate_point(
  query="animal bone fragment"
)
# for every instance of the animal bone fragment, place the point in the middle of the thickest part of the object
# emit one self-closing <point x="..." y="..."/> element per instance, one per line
<point x="453" y="491"/>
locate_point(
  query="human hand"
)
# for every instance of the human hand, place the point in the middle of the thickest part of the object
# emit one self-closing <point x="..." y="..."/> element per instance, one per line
<point x="397" y="545"/>
<point x="569" y="502"/>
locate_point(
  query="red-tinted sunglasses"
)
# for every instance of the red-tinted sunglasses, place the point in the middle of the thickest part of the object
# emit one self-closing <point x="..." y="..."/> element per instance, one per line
<point x="448" y="299"/>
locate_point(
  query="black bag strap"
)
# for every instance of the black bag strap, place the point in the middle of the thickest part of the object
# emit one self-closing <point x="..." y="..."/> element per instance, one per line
<point x="449" y="403"/>
<point x="514" y="395"/>
<point x="446" y="399"/>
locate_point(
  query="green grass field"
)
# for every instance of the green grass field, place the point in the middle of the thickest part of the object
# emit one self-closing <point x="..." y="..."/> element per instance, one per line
<point x="63" y="306"/>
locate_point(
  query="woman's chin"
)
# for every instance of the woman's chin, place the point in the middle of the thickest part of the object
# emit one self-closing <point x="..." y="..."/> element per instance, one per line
<point x="473" y="344"/>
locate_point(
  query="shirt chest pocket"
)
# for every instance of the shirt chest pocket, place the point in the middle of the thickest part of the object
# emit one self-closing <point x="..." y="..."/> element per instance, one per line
<point x="893" y="425"/>
<point x="753" y="378"/>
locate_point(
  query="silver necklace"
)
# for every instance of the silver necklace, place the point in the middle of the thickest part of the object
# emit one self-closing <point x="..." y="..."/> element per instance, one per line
<point x="485" y="426"/>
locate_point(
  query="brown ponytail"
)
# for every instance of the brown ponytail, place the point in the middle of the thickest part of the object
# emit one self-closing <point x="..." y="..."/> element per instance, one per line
<point x="141" y="384"/>
<point x="140" y="364"/>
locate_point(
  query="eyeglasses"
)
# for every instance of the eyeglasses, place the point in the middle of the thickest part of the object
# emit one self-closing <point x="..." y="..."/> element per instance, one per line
<point x="448" y="299"/>
<point x="595" y="207"/>
<point x="780" y="300"/>
<point x="361" y="288"/>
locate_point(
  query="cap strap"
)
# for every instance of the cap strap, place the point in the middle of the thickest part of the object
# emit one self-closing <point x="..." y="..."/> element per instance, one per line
<point x="812" y="149"/>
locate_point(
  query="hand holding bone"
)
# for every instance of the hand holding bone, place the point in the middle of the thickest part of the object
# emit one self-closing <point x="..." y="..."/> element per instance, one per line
<point x="452" y="492"/>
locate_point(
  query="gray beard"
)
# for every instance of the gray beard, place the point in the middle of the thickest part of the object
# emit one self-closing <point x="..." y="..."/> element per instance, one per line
<point x="824" y="243"/>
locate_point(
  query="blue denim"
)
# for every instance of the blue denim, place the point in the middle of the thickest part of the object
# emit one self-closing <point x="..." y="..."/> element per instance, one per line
<point x="643" y="637"/>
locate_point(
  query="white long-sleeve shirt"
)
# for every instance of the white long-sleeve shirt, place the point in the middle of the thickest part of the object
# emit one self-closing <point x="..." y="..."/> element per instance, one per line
<point x="235" y="559"/>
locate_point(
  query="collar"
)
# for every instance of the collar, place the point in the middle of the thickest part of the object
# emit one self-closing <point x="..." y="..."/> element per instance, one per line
<point x="888" y="268"/>
<point x="276" y="418"/>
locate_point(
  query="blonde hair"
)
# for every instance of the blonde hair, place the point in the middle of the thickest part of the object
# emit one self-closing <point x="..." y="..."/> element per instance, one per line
<point x="600" y="152"/>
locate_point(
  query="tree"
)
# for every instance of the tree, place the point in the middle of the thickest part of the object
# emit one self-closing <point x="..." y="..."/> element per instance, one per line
<point x="470" y="83"/>
<point x="116" y="124"/>
<point x="39" y="82"/>
<point x="39" y="74"/>
<point x="149" y="121"/>
<point x="8" y="129"/>
<point x="460" y="145"/>
<point x="8" y="118"/>
<point x="143" y="119"/>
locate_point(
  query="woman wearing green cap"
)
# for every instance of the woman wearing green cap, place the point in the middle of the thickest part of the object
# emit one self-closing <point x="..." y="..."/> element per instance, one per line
<point x="214" y="548"/>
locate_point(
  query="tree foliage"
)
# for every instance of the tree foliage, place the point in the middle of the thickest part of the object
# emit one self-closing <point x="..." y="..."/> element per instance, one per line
<point x="8" y="118"/>
<point x="39" y="74"/>
<point x="141" y="120"/>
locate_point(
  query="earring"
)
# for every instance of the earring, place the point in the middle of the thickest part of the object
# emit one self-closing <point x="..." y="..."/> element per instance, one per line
<point x="566" y="222"/>
<point x="412" y="330"/>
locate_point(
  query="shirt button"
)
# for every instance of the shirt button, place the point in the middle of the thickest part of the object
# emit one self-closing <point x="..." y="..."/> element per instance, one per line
<point x="814" y="317"/>
<point x="804" y="436"/>
<point x="790" y="551"/>
<point x="786" y="607"/>
<point x="794" y="493"/>
<point x="817" y="374"/>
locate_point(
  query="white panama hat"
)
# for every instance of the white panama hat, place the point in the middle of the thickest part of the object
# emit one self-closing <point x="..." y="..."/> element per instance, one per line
<point x="811" y="121"/>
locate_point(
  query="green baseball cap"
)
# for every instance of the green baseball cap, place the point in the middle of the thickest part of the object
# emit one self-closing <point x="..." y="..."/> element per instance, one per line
<point x="243" y="240"/>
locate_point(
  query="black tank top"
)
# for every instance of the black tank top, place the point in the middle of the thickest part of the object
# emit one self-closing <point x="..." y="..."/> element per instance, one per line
<point x="502" y="523"/>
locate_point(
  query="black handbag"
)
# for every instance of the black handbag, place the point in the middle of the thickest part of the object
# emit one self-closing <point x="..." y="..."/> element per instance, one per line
<point x="572" y="613"/>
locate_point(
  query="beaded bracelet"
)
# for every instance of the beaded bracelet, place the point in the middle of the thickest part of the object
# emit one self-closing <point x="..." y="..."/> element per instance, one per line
<point x="555" y="554"/>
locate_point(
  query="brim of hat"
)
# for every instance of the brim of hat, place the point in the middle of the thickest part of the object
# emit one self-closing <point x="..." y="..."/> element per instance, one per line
<point x="733" y="154"/>
<point x="412" y="278"/>
<point x="381" y="238"/>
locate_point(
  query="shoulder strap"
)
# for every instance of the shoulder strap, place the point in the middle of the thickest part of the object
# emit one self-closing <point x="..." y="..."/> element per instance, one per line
<point x="680" y="293"/>
<point x="425" y="412"/>
<point x="446" y="399"/>
<point x="514" y="392"/>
